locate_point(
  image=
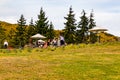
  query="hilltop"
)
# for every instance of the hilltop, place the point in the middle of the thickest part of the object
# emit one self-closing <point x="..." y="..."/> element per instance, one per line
<point x="7" y="26"/>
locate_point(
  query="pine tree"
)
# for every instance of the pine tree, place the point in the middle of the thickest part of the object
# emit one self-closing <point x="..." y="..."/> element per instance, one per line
<point x="31" y="29"/>
<point x="42" y="23"/>
<point x="50" y="32"/>
<point x="31" y="22"/>
<point x="83" y="28"/>
<point x="70" y="27"/>
<point x="91" y="25"/>
<point x="20" y="37"/>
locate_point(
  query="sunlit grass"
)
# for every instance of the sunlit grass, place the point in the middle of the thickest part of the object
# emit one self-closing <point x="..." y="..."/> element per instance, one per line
<point x="72" y="62"/>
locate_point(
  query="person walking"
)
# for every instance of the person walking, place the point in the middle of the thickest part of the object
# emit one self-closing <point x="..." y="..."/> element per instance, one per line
<point x="5" y="44"/>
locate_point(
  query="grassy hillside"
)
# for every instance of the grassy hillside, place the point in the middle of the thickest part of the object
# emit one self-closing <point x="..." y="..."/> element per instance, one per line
<point x="7" y="26"/>
<point x="73" y="62"/>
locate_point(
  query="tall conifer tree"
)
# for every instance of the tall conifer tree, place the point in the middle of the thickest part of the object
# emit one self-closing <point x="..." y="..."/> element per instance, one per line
<point x="42" y="23"/>
<point x="31" y="29"/>
<point x="50" y="32"/>
<point x="83" y="28"/>
<point x="70" y="27"/>
<point x="92" y="24"/>
<point x="20" y="37"/>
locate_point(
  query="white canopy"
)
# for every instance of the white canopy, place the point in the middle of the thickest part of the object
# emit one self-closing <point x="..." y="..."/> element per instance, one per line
<point x="97" y="29"/>
<point x="41" y="41"/>
<point x="38" y="36"/>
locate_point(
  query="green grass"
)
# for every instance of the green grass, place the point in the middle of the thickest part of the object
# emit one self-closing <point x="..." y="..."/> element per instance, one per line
<point x="73" y="62"/>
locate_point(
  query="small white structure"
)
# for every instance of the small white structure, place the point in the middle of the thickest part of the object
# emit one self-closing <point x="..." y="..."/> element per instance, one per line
<point x="38" y="36"/>
<point x="41" y="41"/>
<point x="38" y="42"/>
<point x="97" y="29"/>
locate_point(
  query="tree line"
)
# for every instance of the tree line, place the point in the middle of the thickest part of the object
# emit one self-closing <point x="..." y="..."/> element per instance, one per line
<point x="79" y="32"/>
<point x="73" y="32"/>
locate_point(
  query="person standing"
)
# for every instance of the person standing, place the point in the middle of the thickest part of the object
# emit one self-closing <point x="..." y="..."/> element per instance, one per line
<point x="5" y="44"/>
<point x="58" y="42"/>
<point x="62" y="41"/>
<point x="54" y="42"/>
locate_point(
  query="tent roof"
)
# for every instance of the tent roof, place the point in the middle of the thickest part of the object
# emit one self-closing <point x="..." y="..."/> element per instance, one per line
<point x="97" y="29"/>
<point x="41" y="41"/>
<point x="38" y="36"/>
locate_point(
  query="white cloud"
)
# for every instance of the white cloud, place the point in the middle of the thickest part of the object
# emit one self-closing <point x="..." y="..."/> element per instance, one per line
<point x="3" y="2"/>
<point x="109" y="21"/>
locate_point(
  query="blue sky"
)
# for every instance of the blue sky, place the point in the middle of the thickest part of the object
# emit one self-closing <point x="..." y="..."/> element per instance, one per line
<point x="106" y="12"/>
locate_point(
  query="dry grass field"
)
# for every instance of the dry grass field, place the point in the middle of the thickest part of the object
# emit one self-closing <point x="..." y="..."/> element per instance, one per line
<point x="72" y="62"/>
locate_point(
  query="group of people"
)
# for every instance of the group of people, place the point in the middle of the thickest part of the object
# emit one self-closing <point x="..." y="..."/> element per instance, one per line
<point x="56" y="42"/>
<point x="40" y="43"/>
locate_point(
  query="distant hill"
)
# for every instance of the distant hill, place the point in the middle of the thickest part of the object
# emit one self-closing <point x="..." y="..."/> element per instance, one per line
<point x="107" y="37"/>
<point x="8" y="26"/>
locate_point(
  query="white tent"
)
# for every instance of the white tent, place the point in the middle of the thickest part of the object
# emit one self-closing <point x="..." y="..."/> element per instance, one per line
<point x="41" y="41"/>
<point x="97" y="29"/>
<point x="38" y="36"/>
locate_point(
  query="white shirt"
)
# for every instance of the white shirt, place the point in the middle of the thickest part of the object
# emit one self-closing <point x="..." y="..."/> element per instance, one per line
<point x="6" y="43"/>
<point x="61" y="38"/>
